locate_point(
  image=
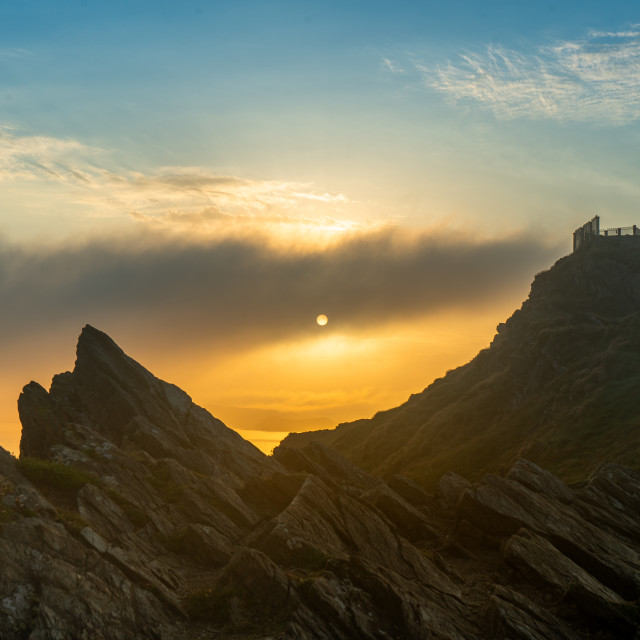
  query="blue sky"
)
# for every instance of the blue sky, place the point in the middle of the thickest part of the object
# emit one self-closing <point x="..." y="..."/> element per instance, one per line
<point x="437" y="133"/>
<point x="375" y="100"/>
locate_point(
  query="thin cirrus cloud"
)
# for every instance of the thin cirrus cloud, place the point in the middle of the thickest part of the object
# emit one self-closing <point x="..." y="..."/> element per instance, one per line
<point x="90" y="178"/>
<point x="593" y="79"/>
<point x="39" y="157"/>
<point x="237" y="293"/>
<point x="392" y="66"/>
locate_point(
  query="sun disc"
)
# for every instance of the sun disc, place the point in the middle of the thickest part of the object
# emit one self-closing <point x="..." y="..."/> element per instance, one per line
<point x="322" y="319"/>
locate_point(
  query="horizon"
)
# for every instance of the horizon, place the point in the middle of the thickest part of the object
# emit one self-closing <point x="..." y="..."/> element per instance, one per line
<point x="202" y="182"/>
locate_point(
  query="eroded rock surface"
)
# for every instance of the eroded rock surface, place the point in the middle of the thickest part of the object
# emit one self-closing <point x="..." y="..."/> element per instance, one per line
<point x="134" y="513"/>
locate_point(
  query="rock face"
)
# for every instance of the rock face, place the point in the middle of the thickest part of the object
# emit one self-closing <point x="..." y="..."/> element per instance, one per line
<point x="558" y="385"/>
<point x="134" y="513"/>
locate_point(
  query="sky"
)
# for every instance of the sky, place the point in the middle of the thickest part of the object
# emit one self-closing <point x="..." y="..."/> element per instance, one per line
<point x="201" y="180"/>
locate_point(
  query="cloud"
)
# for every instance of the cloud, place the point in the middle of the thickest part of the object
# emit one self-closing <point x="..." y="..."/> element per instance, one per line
<point x="392" y="66"/>
<point x="91" y="179"/>
<point x="594" y="79"/>
<point x="291" y="230"/>
<point x="38" y="157"/>
<point x="235" y="293"/>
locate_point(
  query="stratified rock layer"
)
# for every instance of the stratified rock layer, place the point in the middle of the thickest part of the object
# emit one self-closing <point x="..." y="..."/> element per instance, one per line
<point x="133" y="513"/>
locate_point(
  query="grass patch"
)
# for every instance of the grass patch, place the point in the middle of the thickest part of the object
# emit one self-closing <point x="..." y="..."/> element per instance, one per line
<point x="55" y="475"/>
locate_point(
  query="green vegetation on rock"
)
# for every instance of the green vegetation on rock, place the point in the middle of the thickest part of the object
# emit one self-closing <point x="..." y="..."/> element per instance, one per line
<point x="55" y="475"/>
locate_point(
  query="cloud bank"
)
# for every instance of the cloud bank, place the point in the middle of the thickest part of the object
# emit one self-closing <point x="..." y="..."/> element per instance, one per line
<point x="237" y="293"/>
<point x="595" y="79"/>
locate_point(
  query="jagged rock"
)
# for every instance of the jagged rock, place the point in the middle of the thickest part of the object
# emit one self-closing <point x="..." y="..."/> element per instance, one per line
<point x="515" y="617"/>
<point x="45" y="427"/>
<point x="328" y="463"/>
<point x="257" y="592"/>
<point x="500" y="507"/>
<point x="614" y="614"/>
<point x="207" y="544"/>
<point x="53" y="587"/>
<point x="94" y="540"/>
<point x="449" y="489"/>
<point x="357" y="599"/>
<point x="134" y="513"/>
<point x="103" y="513"/>
<point x="542" y="564"/>
<point x="611" y="500"/>
<point x="319" y="525"/>
<point x="309" y="530"/>
<point x="411" y="523"/>
<point x="533" y="477"/>
<point x="410" y="491"/>
<point x="270" y="494"/>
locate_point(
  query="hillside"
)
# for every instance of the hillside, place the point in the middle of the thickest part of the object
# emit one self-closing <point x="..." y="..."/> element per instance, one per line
<point x="559" y="385"/>
<point x="134" y="513"/>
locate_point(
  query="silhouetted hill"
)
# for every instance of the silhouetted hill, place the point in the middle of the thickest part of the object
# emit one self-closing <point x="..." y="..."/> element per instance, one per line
<point x="560" y="385"/>
<point x="134" y="513"/>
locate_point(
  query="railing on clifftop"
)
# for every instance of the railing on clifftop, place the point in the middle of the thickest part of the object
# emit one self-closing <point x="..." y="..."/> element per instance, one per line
<point x="621" y="231"/>
<point x="590" y="230"/>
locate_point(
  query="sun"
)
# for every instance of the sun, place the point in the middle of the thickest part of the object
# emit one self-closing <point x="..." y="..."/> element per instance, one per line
<point x="322" y="319"/>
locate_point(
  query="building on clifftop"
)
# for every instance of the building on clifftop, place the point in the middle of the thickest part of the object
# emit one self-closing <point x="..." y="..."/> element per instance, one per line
<point x="590" y="230"/>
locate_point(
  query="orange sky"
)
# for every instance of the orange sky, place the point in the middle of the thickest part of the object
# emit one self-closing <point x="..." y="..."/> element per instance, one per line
<point x="266" y="391"/>
<point x="203" y="188"/>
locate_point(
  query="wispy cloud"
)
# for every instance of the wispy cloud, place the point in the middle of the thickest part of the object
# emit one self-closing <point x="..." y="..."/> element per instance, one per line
<point x="596" y="78"/>
<point x="392" y="66"/>
<point x="39" y="157"/>
<point x="213" y="222"/>
<point x="179" y="196"/>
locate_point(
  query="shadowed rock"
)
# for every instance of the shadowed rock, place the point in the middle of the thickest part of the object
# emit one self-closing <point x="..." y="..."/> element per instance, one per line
<point x="135" y="513"/>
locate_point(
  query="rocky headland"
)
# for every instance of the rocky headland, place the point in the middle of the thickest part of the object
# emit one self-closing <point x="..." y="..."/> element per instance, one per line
<point x="134" y="513"/>
<point x="559" y="385"/>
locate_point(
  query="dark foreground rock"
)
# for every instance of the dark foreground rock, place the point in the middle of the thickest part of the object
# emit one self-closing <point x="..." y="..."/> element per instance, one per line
<point x="133" y="513"/>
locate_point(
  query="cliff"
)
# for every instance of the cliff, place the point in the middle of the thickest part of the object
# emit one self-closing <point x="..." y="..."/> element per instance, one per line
<point x="133" y="513"/>
<point x="559" y="385"/>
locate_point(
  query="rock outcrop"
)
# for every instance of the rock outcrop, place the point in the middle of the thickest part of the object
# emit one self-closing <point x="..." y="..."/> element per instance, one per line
<point x="558" y="385"/>
<point x="133" y="513"/>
